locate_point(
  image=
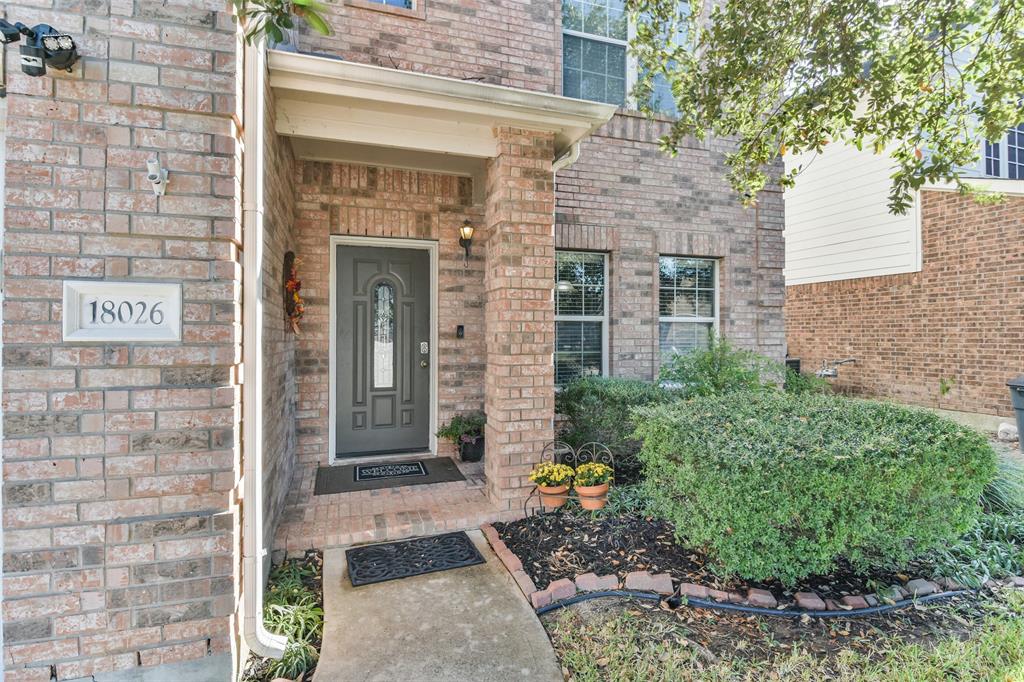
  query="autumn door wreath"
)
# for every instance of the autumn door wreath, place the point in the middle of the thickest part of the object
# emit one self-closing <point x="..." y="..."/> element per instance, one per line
<point x="294" y="306"/>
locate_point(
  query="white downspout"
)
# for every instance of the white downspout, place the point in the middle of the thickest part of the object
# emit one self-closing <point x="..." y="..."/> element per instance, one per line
<point x="256" y="636"/>
<point x="571" y="156"/>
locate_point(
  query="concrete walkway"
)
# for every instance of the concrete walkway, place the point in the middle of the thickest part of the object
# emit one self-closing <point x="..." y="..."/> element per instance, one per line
<point x="464" y="625"/>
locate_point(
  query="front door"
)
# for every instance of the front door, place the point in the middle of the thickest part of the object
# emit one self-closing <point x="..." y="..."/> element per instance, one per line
<point x="383" y="378"/>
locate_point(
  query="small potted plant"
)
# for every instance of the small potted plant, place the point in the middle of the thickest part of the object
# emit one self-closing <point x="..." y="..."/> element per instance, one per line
<point x="552" y="482"/>
<point x="466" y="431"/>
<point x="591" y="483"/>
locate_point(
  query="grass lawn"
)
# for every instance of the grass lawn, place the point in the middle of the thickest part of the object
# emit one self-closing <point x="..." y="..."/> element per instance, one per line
<point x="625" y="641"/>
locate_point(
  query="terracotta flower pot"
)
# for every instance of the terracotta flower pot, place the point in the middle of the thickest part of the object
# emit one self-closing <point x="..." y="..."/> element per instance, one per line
<point x="553" y="496"/>
<point x="593" y="497"/>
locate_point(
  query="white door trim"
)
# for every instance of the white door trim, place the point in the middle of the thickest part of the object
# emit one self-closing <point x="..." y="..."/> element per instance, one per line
<point x="382" y="242"/>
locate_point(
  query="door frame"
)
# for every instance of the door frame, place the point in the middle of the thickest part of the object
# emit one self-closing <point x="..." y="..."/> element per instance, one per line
<point x="337" y="241"/>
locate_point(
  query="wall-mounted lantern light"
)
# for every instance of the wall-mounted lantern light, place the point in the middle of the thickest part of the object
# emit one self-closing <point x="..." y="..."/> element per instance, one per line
<point x="563" y="286"/>
<point x="466" y="236"/>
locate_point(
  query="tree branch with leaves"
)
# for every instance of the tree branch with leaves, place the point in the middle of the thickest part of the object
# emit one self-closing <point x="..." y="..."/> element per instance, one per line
<point x="271" y="18"/>
<point x="924" y="81"/>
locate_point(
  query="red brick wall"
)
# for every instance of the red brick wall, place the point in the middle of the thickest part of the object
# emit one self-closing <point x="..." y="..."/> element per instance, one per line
<point x="626" y="197"/>
<point x="520" y="312"/>
<point x="961" y="319"/>
<point x="119" y="458"/>
<point x="343" y="199"/>
<point x="516" y="43"/>
<point x="280" y="381"/>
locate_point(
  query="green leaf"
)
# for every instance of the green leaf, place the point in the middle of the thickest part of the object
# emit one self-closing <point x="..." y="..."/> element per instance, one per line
<point x="317" y="22"/>
<point x="802" y="73"/>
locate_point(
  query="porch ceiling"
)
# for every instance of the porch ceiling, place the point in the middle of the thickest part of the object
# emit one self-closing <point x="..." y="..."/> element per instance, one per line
<point x="328" y="99"/>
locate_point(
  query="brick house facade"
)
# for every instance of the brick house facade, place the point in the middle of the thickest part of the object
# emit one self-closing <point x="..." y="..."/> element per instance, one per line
<point x="948" y="336"/>
<point x="125" y="464"/>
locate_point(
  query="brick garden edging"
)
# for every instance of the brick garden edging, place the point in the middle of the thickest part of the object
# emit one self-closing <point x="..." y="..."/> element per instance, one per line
<point x="662" y="583"/>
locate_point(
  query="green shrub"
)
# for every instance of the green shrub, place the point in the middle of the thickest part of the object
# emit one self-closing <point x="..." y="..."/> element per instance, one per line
<point x="1005" y="493"/>
<point x="464" y="428"/>
<point x="292" y="609"/>
<point x="994" y="548"/>
<point x="722" y="368"/>
<point x="597" y="409"/>
<point x="625" y="500"/>
<point x="777" y="485"/>
<point x="799" y="383"/>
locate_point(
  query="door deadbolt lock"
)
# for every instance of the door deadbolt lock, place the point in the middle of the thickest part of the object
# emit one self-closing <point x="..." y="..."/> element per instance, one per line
<point x="424" y="363"/>
<point x="424" y="347"/>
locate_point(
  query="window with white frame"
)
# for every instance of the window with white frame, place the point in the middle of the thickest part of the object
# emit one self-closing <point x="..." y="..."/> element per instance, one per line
<point x="1015" y="153"/>
<point x="594" y="38"/>
<point x="595" y="64"/>
<point x="687" y="303"/>
<point x="1004" y="157"/>
<point x="404" y="4"/>
<point x="581" y="315"/>
<point x="992" y="161"/>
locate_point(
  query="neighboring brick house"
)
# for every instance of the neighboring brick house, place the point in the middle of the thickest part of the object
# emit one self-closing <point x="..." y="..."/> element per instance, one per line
<point x="929" y="305"/>
<point x="127" y="461"/>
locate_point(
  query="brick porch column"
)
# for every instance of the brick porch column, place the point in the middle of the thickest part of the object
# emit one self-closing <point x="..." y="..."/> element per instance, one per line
<point x="519" y="311"/>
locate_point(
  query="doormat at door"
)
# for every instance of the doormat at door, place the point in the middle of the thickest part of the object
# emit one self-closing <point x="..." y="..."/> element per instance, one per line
<point x="353" y="477"/>
<point x="406" y="558"/>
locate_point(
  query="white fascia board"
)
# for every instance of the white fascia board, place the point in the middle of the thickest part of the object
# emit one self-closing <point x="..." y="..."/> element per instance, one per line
<point x="998" y="185"/>
<point x="321" y="79"/>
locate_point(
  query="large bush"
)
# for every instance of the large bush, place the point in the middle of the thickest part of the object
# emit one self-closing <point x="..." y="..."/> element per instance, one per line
<point x="784" y="486"/>
<point x="597" y="409"/>
<point x="722" y="368"/>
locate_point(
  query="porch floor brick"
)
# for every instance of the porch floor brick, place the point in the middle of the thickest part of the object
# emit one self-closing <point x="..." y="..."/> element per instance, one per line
<point x="323" y="521"/>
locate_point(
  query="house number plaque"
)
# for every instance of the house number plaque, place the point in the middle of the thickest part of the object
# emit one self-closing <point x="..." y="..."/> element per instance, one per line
<point x="121" y="311"/>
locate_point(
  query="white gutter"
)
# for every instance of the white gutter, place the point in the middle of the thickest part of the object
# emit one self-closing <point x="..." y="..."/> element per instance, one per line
<point x="256" y="636"/>
<point x="367" y="81"/>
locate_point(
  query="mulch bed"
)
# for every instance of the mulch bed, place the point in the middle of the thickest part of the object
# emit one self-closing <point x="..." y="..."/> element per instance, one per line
<point x="565" y="544"/>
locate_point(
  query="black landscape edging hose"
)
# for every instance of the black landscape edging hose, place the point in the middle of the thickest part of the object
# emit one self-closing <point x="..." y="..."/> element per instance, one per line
<point x="706" y="604"/>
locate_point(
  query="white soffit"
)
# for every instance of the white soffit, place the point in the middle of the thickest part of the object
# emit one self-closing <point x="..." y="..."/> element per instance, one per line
<point x="329" y="99"/>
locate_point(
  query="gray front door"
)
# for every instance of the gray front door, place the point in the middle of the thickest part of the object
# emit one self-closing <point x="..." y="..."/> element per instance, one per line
<point x="383" y="378"/>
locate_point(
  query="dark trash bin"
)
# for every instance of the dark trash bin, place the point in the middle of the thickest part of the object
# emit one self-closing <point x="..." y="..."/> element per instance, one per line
<point x="1017" y="398"/>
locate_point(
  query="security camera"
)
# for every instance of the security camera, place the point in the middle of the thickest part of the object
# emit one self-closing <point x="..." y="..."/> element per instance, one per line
<point x="156" y="175"/>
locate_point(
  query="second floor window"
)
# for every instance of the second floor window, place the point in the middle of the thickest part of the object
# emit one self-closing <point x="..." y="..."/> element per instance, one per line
<point x="595" y="63"/>
<point x="594" y="39"/>
<point x="992" y="159"/>
<point x="1015" y="153"/>
<point x="404" y="4"/>
<point x="1004" y="158"/>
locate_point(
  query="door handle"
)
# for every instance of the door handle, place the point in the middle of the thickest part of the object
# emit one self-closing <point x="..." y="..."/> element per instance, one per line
<point x="424" y="363"/>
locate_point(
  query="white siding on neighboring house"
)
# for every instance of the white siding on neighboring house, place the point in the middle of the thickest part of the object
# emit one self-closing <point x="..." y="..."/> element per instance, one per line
<point x="838" y="224"/>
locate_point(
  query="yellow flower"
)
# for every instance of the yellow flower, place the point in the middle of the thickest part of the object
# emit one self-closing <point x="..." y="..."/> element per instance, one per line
<point x="593" y="473"/>
<point x="551" y="474"/>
